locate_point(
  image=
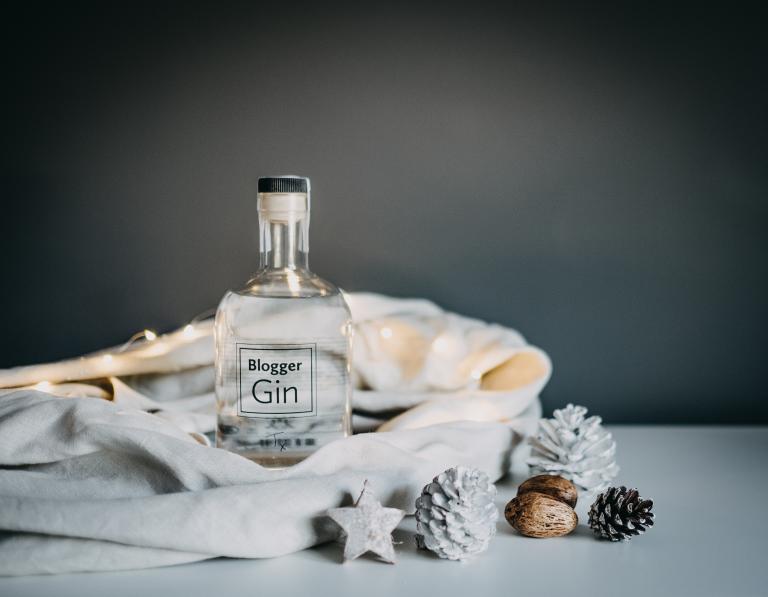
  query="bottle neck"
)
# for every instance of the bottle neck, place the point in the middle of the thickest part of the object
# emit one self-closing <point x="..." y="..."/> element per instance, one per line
<point x="284" y="232"/>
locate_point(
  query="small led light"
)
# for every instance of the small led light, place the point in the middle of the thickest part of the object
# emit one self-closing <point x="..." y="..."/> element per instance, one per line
<point x="386" y="332"/>
<point x="443" y="344"/>
<point x="150" y="335"/>
<point x="188" y="330"/>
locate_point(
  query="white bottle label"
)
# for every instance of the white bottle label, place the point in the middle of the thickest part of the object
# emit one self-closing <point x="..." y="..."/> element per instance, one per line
<point x="276" y="380"/>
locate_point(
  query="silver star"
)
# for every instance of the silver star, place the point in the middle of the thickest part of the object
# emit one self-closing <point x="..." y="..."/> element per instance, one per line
<point x="368" y="526"/>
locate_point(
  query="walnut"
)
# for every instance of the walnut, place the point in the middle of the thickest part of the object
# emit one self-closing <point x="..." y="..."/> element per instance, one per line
<point x="536" y="514"/>
<point x="552" y="485"/>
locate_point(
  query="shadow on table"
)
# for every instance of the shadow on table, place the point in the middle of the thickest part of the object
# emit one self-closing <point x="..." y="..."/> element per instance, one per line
<point x="581" y="532"/>
<point x="333" y="551"/>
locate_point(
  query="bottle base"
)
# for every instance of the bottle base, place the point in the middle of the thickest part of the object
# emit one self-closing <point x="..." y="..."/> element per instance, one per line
<point x="279" y="443"/>
<point x="272" y="461"/>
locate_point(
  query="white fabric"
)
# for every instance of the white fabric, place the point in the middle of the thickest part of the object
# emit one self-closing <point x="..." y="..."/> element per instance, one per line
<point x="85" y="485"/>
<point x="100" y="484"/>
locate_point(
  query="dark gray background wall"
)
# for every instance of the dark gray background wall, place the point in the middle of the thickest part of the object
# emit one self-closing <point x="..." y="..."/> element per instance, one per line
<point x="594" y="177"/>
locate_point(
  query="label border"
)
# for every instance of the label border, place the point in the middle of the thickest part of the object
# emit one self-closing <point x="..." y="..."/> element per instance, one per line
<point x="312" y="412"/>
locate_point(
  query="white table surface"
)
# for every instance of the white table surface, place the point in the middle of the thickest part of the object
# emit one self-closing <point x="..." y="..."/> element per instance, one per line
<point x="710" y="492"/>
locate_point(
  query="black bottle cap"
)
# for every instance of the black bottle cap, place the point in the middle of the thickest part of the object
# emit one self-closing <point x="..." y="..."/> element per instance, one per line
<point x="283" y="184"/>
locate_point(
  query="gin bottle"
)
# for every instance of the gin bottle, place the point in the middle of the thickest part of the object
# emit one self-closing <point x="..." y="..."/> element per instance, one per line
<point x="283" y="343"/>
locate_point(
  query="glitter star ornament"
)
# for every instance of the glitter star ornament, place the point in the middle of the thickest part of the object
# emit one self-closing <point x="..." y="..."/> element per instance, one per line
<point x="368" y="526"/>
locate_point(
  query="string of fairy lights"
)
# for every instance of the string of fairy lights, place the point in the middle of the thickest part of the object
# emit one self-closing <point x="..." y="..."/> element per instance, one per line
<point x="146" y="335"/>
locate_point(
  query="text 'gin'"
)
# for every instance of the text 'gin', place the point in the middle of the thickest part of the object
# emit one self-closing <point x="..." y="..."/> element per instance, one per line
<point x="283" y="343"/>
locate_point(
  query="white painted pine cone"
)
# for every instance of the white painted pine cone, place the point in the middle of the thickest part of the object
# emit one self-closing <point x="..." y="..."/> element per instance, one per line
<point x="575" y="447"/>
<point x="456" y="514"/>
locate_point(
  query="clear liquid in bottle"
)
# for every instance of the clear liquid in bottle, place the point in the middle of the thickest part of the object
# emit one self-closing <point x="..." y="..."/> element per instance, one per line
<point x="283" y="344"/>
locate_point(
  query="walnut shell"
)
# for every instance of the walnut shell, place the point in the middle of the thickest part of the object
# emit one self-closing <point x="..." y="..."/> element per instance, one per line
<point x="536" y="514"/>
<point x="552" y="485"/>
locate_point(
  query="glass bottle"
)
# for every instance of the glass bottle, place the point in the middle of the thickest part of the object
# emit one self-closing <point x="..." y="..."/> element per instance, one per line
<point x="283" y="343"/>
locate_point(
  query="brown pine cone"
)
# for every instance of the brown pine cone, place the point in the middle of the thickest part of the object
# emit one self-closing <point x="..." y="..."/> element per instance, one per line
<point x="619" y="513"/>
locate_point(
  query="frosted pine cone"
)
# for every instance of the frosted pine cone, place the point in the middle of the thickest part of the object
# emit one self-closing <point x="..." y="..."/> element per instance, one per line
<point x="620" y="513"/>
<point x="575" y="447"/>
<point x="455" y="514"/>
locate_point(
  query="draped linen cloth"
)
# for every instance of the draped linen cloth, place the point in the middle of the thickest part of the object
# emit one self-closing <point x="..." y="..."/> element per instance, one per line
<point x="90" y="480"/>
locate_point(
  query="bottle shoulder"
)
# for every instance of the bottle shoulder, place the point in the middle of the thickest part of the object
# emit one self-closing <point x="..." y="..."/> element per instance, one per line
<point x="286" y="284"/>
<point x="270" y="307"/>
